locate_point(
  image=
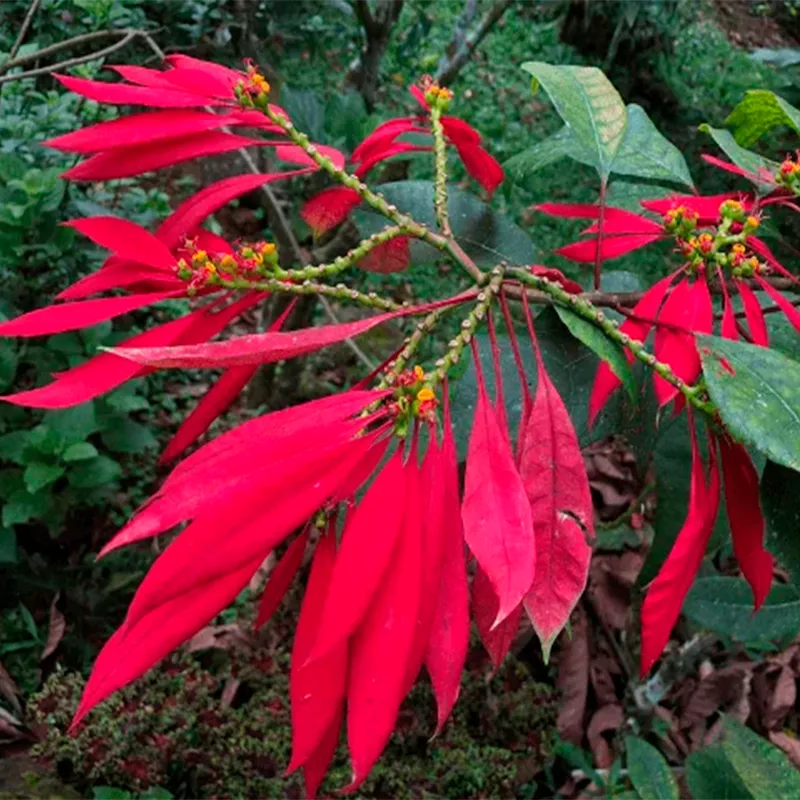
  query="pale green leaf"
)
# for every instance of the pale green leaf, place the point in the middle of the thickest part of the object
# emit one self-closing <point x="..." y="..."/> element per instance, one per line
<point x="649" y="771"/>
<point x="744" y="158"/>
<point x="759" y="112"/>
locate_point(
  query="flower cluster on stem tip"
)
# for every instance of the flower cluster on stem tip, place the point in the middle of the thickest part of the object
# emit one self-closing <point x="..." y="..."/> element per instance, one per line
<point x="438" y="97"/>
<point x="253" y="90"/>
<point x="202" y="269"/>
<point x="788" y="174"/>
<point x="413" y="399"/>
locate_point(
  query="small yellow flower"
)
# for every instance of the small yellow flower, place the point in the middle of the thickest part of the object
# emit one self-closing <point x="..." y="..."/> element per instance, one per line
<point x="227" y="263"/>
<point x="426" y="394"/>
<point x="753" y="222"/>
<point x="419" y="373"/>
<point x="199" y="257"/>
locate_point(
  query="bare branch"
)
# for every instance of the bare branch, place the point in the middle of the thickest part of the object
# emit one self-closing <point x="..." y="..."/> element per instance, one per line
<point x="23" y="31"/>
<point x="450" y="66"/>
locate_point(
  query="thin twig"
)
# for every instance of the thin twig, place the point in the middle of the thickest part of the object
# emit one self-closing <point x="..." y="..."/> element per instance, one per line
<point x="23" y="31"/>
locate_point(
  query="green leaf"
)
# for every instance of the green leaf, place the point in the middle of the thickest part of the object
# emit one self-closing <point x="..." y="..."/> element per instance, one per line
<point x="38" y="475"/>
<point x="757" y="392"/>
<point x="725" y="605"/>
<point x="13" y="446"/>
<point x="79" y="451"/>
<point x="305" y="110"/>
<point x="742" y="157"/>
<point x="127" y="436"/>
<point x="601" y="345"/>
<point x="778" y="56"/>
<point x="649" y="771"/>
<point x="589" y="104"/>
<point x="11" y="167"/>
<point x="710" y="775"/>
<point x="646" y="153"/>
<point x="561" y="144"/>
<point x="95" y="472"/>
<point x="759" y="112"/>
<point x="780" y="500"/>
<point x="486" y="236"/>
<point x="8" y="363"/>
<point x="74" y="424"/>
<point x="8" y="547"/>
<point x="762" y="767"/>
<point x="20" y="508"/>
<point x="110" y="793"/>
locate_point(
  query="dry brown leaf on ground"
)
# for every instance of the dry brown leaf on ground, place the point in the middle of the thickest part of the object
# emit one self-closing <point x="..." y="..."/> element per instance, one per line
<point x="789" y="744"/>
<point x="573" y="679"/>
<point x="55" y="629"/>
<point x="9" y="690"/>
<point x="607" y="719"/>
<point x="221" y="637"/>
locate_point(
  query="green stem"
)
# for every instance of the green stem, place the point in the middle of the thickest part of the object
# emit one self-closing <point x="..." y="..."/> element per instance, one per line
<point x="308" y="287"/>
<point x="610" y="327"/>
<point x="440" y="186"/>
<point x="411" y="345"/>
<point x="342" y="262"/>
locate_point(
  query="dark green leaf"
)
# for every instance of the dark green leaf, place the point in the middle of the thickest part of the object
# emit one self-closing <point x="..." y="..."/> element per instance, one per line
<point x="11" y="167"/>
<point x="74" y="424"/>
<point x="561" y="144"/>
<point x="759" y="112"/>
<point x="110" y="793"/>
<point x="127" y="436"/>
<point x="601" y="345"/>
<point x="13" y="446"/>
<point x="725" y="605"/>
<point x="95" y="472"/>
<point x="20" y="508"/>
<point x="79" y="451"/>
<point x="646" y="153"/>
<point x="710" y="775"/>
<point x="746" y="159"/>
<point x="8" y="547"/>
<point x="589" y="104"/>
<point x="8" y="363"/>
<point x="305" y="110"/>
<point x="649" y="771"/>
<point x="38" y="475"/>
<point x="780" y="500"/>
<point x="757" y="392"/>
<point x="762" y="767"/>
<point x="486" y="236"/>
<point x="779" y="56"/>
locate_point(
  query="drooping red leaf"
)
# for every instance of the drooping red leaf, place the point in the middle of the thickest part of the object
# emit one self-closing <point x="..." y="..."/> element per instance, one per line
<point x="80" y="314"/>
<point x="745" y="518"/>
<point x="376" y="684"/>
<point x="127" y="240"/>
<point x="376" y="156"/>
<point x="647" y="310"/>
<point x="384" y="135"/>
<point x="497" y="639"/>
<point x="482" y="166"/>
<point x="615" y="220"/>
<point x="294" y="154"/>
<point x="552" y="469"/>
<point x="329" y="208"/>
<point x="316" y="688"/>
<point x="189" y="214"/>
<point x="123" y="94"/>
<point x="688" y="308"/>
<point x="137" y="646"/>
<point x="200" y="82"/>
<point x="760" y="247"/>
<point x="753" y="314"/>
<point x="122" y="275"/>
<point x="707" y="207"/>
<point x="142" y="76"/>
<point x="281" y="578"/>
<point x="266" y="348"/>
<point x="459" y="132"/>
<point x="728" y="329"/>
<point x="216" y="400"/>
<point x="125" y="162"/>
<point x="139" y="129"/>
<point x="364" y="557"/>
<point x="585" y="252"/>
<point x="729" y="167"/>
<point x="180" y="61"/>
<point x="495" y="511"/>
<point x="790" y="311"/>
<point x="318" y="762"/>
<point x="665" y="595"/>
<point x="448" y="642"/>
<point x="556" y="276"/>
<point x="388" y="257"/>
<point x="419" y="96"/>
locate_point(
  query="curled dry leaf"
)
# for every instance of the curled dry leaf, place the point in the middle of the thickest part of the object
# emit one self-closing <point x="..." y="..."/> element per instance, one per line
<point x="55" y="630"/>
<point x="606" y="719"/>
<point x="220" y="637"/>
<point x="573" y="678"/>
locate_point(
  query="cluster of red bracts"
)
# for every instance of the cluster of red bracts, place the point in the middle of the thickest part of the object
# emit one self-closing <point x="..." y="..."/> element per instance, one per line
<point x="332" y="206"/>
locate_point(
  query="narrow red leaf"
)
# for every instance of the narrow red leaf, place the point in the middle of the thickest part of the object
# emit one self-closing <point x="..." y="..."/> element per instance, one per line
<point x="707" y="207"/>
<point x="745" y="518"/>
<point x="180" y="61"/>
<point x="316" y="688"/>
<point x="728" y="167"/>
<point x="790" y="311"/>
<point x="137" y="646"/>
<point x="281" y="578"/>
<point x="126" y="162"/>
<point x="266" y="348"/>
<point x="689" y="309"/>
<point x="318" y="762"/>
<point x="294" y="154"/>
<point x="552" y="469"/>
<point x="80" y="314"/>
<point x="388" y="257"/>
<point x="499" y="394"/>
<point x="123" y="94"/>
<point x="364" y="558"/>
<point x="495" y="511"/>
<point x="376" y="685"/>
<point x="448" y="642"/>
<point x="482" y="166"/>
<point x="460" y="132"/>
<point x="556" y="276"/>
<point x="754" y="315"/>
<point x="384" y="135"/>
<point x="122" y="275"/>
<point x="585" y="252"/>
<point x="376" y="156"/>
<point x="329" y="208"/>
<point x="665" y="595"/>
<point x="497" y="639"/>
<point x="760" y="247"/>
<point x="127" y="240"/>
<point x="729" y="329"/>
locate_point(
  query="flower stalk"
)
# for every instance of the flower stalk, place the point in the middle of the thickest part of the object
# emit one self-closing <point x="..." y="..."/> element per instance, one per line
<point x="440" y="185"/>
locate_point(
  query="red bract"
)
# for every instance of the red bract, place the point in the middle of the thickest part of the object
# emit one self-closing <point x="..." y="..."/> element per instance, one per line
<point x="666" y="593"/>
